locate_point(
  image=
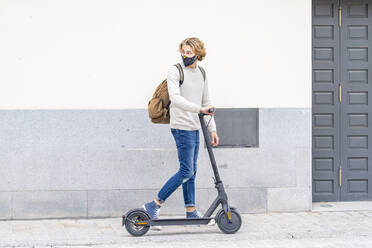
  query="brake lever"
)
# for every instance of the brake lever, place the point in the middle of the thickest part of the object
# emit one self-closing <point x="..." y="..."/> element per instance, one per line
<point x="214" y="179"/>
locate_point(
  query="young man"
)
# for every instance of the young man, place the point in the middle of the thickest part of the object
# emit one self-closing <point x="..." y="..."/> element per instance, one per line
<point x="187" y="100"/>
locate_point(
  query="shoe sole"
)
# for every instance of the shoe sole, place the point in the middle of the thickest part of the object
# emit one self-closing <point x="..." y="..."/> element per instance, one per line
<point x="212" y="222"/>
<point x="156" y="228"/>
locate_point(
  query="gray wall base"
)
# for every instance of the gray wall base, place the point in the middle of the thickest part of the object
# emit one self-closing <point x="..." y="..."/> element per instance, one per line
<point x="101" y="163"/>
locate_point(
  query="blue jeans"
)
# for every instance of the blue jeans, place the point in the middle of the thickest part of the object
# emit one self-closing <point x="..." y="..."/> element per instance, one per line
<point x="187" y="148"/>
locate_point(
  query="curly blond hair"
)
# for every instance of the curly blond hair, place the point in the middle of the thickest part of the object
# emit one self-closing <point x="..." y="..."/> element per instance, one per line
<point x="195" y="44"/>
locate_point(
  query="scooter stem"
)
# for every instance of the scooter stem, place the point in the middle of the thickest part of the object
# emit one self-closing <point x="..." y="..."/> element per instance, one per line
<point x="222" y="196"/>
<point x="209" y="147"/>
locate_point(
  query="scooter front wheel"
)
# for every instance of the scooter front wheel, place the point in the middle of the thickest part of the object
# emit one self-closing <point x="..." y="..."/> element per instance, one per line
<point x="137" y="216"/>
<point x="229" y="227"/>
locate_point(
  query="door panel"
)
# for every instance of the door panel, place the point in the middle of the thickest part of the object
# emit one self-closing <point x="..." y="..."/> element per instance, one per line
<point x="325" y="104"/>
<point x="356" y="109"/>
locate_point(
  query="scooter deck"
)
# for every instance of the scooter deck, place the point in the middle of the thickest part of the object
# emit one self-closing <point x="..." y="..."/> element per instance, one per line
<point x="180" y="221"/>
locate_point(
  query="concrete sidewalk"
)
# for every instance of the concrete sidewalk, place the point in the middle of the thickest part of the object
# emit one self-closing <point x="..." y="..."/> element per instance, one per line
<point x="300" y="229"/>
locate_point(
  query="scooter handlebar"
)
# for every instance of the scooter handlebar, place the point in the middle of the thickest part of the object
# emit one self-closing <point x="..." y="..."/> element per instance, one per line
<point x="211" y="110"/>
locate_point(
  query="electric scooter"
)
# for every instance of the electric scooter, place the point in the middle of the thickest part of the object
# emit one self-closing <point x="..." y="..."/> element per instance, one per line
<point x="137" y="221"/>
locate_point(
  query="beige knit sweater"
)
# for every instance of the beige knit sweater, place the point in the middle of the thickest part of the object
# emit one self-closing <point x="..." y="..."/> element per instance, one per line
<point x="187" y="100"/>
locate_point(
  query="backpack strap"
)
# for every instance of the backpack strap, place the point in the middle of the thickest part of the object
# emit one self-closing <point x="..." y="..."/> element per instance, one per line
<point x="202" y="71"/>
<point x="179" y="67"/>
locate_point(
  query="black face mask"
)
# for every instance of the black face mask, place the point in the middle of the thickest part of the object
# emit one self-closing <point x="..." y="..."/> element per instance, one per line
<point x="188" y="61"/>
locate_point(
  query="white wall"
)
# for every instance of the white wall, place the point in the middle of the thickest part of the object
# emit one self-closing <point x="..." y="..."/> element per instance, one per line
<point x="73" y="54"/>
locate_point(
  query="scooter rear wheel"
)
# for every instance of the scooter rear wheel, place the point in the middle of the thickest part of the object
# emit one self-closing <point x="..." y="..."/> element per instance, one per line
<point x="132" y="217"/>
<point x="224" y="225"/>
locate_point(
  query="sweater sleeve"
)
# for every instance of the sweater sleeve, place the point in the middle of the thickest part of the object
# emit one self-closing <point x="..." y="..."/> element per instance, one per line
<point x="206" y="101"/>
<point x="175" y="97"/>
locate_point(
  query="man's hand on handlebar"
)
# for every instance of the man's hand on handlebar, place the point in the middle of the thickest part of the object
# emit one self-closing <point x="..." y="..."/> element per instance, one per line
<point x="204" y="110"/>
